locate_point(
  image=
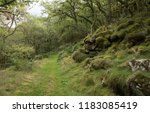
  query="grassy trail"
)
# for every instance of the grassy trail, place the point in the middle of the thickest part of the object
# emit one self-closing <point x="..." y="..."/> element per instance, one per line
<point x="55" y="81"/>
<point x="47" y="78"/>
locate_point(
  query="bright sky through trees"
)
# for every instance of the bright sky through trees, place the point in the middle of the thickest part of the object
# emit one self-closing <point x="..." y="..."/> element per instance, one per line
<point x="36" y="9"/>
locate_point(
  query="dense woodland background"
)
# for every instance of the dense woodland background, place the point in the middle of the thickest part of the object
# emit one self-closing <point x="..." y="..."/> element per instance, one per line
<point x="82" y="47"/>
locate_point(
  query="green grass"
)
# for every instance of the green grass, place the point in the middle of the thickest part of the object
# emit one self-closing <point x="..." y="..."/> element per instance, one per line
<point x="60" y="79"/>
<point x="52" y="78"/>
<point x="46" y="78"/>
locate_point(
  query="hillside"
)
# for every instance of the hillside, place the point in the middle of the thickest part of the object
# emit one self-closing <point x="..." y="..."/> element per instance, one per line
<point x="109" y="51"/>
<point x="75" y="47"/>
<point x="98" y="66"/>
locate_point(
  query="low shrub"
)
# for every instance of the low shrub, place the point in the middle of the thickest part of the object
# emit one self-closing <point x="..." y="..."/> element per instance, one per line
<point x="22" y="65"/>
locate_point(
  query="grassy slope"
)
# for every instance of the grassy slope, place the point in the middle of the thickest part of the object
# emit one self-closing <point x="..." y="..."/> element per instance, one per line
<point x="119" y="53"/>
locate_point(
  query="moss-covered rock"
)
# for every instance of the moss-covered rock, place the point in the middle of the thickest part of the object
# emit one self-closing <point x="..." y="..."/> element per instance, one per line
<point x="131" y="22"/>
<point x="102" y="43"/>
<point x="89" y="46"/>
<point x="136" y="38"/>
<point x="121" y="35"/>
<point x="135" y="85"/>
<point x="116" y="84"/>
<point x="97" y="64"/>
<point x="118" y="36"/>
<point x="138" y="85"/>
<point x="104" y="33"/>
<point x="113" y="38"/>
<point x="78" y="56"/>
<point x="89" y="43"/>
<point x="82" y="50"/>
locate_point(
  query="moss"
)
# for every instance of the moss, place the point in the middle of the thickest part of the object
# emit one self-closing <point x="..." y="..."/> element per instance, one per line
<point x="79" y="56"/>
<point x="147" y="40"/>
<point x="147" y="22"/>
<point x="102" y="43"/>
<point x="87" y="62"/>
<point x="122" y="26"/>
<point x="104" y="33"/>
<point x="107" y="56"/>
<point x="144" y="51"/>
<point x="138" y="84"/>
<point x="81" y="43"/>
<point x="82" y="50"/>
<point x="136" y="38"/>
<point x="101" y="29"/>
<point x="121" y="34"/>
<point x="88" y="38"/>
<point x="134" y="27"/>
<point x="148" y="30"/>
<point x="107" y="44"/>
<point x="131" y="22"/>
<point x="89" y="47"/>
<point x="118" y="36"/>
<point x="99" y="39"/>
<point x="120" y="54"/>
<point x="113" y="38"/>
<point x="116" y="84"/>
<point x="97" y="64"/>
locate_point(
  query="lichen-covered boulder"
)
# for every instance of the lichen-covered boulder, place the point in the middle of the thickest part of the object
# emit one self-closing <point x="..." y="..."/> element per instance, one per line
<point x="140" y="64"/>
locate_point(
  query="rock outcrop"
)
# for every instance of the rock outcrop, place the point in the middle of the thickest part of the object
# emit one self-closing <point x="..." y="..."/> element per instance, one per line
<point x="138" y="85"/>
<point x="141" y="65"/>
